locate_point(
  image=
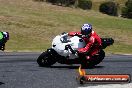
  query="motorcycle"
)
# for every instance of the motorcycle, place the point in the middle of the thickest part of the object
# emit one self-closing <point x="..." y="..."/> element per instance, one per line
<point x="4" y="40"/>
<point x="64" y="49"/>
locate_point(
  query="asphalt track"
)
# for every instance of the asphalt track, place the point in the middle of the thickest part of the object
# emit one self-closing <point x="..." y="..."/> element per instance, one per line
<point x="20" y="70"/>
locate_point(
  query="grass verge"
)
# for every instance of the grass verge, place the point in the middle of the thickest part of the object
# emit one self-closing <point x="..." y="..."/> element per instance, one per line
<point x="33" y="25"/>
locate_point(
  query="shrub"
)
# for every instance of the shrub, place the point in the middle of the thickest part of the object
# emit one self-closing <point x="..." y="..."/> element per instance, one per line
<point x="127" y="10"/>
<point x="110" y="8"/>
<point x="52" y="1"/>
<point x="39" y="0"/>
<point x="62" y="2"/>
<point x="85" y="4"/>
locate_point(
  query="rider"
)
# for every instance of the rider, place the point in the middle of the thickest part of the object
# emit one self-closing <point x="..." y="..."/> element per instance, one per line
<point x="93" y="41"/>
<point x="4" y="35"/>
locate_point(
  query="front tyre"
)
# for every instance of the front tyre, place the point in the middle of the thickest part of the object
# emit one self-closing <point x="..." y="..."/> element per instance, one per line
<point x="45" y="60"/>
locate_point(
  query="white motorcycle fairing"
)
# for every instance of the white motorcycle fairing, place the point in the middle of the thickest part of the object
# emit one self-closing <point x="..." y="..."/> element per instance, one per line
<point x="60" y="41"/>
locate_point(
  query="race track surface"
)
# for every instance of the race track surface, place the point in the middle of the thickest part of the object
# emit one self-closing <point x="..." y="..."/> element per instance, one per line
<point x="20" y="70"/>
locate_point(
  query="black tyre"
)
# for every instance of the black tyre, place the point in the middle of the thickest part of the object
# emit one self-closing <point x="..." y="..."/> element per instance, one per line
<point x="96" y="60"/>
<point x="99" y="57"/>
<point x="45" y="60"/>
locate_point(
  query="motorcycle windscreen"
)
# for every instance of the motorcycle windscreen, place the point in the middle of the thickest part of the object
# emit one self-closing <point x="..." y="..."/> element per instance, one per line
<point x="77" y="42"/>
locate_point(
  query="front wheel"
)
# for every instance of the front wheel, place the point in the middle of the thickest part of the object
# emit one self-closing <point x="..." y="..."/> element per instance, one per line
<point x="45" y="60"/>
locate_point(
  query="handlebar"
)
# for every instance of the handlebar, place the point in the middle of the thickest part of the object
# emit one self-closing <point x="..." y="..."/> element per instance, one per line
<point x="69" y="47"/>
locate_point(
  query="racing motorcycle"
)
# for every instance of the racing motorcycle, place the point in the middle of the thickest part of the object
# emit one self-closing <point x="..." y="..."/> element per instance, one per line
<point x="64" y="50"/>
<point x="4" y="40"/>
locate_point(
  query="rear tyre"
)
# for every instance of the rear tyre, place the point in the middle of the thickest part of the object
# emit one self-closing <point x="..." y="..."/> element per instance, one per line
<point x="96" y="59"/>
<point x="45" y="60"/>
<point x="99" y="57"/>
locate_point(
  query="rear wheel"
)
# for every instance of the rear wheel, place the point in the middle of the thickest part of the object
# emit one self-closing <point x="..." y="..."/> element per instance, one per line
<point x="99" y="57"/>
<point x="45" y="60"/>
<point x="96" y="59"/>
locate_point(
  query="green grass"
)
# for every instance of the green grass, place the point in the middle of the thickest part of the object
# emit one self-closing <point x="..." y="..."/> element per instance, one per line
<point x="33" y="25"/>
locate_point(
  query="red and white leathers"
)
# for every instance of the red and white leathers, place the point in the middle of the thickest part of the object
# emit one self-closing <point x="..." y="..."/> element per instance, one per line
<point x="93" y="43"/>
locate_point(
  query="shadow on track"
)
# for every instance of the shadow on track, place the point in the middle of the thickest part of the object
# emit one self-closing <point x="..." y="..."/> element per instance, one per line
<point x="75" y="67"/>
<point x="1" y="83"/>
<point x="95" y="67"/>
<point x="69" y="67"/>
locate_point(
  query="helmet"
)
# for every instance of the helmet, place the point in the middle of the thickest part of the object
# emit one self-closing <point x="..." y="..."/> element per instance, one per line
<point x="6" y="35"/>
<point x="86" y="29"/>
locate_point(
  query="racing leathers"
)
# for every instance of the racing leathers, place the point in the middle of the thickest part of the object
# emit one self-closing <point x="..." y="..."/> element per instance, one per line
<point x="93" y="43"/>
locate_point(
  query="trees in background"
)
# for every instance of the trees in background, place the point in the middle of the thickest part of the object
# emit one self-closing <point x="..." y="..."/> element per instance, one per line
<point x="84" y="4"/>
<point x="109" y="7"/>
<point x="127" y="10"/>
